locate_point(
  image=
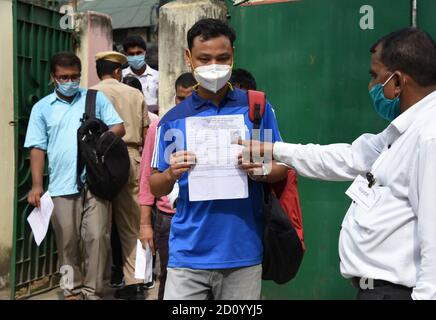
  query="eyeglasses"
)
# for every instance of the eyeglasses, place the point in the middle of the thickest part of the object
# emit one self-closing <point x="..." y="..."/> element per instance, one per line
<point x="66" y="78"/>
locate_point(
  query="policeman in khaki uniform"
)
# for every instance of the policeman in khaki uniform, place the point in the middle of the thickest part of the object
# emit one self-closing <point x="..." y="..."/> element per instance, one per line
<point x="131" y="106"/>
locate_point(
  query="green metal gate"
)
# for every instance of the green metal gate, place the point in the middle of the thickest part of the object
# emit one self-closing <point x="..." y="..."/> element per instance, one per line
<point x="425" y="12"/>
<point x="312" y="59"/>
<point x="37" y="36"/>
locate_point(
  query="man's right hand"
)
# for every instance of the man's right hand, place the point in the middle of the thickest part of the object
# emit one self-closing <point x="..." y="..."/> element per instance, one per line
<point x="180" y="162"/>
<point x="34" y="196"/>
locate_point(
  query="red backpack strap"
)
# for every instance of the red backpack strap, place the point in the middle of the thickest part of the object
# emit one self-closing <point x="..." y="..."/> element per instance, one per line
<point x="287" y="193"/>
<point x="256" y="103"/>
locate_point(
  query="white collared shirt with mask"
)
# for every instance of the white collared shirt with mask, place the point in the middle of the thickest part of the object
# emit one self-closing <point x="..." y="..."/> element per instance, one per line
<point x="395" y="239"/>
<point x="150" y="85"/>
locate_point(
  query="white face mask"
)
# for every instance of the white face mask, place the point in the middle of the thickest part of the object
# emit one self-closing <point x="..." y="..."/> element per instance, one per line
<point x="213" y="76"/>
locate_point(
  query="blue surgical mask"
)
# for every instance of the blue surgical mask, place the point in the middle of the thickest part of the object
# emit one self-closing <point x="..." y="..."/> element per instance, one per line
<point x="68" y="89"/>
<point x="386" y="108"/>
<point x="136" y="62"/>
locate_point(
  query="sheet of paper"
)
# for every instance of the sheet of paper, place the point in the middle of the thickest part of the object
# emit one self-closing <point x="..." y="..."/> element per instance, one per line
<point x="216" y="175"/>
<point x="143" y="263"/>
<point x="39" y="218"/>
<point x="148" y="265"/>
<point x="173" y="195"/>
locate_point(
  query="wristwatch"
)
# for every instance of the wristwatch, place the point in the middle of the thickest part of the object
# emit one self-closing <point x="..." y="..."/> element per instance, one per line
<point x="260" y="177"/>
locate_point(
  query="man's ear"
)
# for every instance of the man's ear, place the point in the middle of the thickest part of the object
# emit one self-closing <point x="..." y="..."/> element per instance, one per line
<point x="118" y="73"/>
<point x="400" y="81"/>
<point x="188" y="59"/>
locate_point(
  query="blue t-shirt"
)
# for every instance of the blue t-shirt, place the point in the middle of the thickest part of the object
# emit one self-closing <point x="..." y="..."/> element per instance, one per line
<point x="53" y="128"/>
<point x="217" y="234"/>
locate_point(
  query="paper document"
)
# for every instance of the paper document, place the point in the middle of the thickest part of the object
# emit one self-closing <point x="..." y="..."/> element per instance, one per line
<point x="173" y="195"/>
<point x="216" y="174"/>
<point x="39" y="218"/>
<point x="144" y="263"/>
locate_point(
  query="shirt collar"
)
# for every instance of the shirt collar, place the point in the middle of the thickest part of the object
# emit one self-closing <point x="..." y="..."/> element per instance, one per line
<point x="147" y="72"/>
<point x="405" y="120"/>
<point x="198" y="101"/>
<point x="54" y="97"/>
<point x="110" y="81"/>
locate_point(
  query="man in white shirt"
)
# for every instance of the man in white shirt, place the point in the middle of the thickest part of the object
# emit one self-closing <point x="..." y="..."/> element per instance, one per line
<point x="387" y="243"/>
<point x="136" y="50"/>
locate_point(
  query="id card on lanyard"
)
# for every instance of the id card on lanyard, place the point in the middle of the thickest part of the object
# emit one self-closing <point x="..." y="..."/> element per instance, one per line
<point x="365" y="192"/>
<point x="362" y="194"/>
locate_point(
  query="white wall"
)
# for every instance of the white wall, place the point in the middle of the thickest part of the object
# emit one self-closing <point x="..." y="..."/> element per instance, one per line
<point x="95" y="36"/>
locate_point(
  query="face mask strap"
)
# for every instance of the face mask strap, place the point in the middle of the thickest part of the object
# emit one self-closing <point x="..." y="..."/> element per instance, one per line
<point x="195" y="87"/>
<point x="389" y="79"/>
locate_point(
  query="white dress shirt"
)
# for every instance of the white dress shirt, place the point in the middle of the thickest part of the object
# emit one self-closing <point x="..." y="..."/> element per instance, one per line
<point x="150" y="85"/>
<point x="395" y="240"/>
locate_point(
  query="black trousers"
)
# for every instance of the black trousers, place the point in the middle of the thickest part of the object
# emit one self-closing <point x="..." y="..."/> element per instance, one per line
<point x="162" y="226"/>
<point x="383" y="290"/>
<point x="117" y="253"/>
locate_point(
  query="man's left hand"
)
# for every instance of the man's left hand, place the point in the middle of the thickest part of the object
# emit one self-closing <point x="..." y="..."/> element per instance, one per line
<point x="146" y="236"/>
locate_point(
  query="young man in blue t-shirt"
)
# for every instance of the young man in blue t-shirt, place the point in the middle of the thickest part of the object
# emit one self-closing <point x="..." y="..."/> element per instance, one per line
<point x="216" y="245"/>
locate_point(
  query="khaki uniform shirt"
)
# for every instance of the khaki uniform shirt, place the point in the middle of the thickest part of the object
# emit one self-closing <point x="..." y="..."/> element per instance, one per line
<point x="130" y="105"/>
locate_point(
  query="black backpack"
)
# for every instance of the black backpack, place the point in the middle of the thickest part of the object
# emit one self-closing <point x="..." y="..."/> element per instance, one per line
<point x="102" y="153"/>
<point x="283" y="239"/>
<point x="283" y="249"/>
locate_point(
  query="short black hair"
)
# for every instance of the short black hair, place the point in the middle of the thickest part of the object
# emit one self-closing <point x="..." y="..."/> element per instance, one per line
<point x="64" y="59"/>
<point x="209" y="29"/>
<point x="412" y="51"/>
<point x="185" y="80"/>
<point x="244" y="79"/>
<point x="133" y="82"/>
<point x="134" y="41"/>
<point x="106" y="67"/>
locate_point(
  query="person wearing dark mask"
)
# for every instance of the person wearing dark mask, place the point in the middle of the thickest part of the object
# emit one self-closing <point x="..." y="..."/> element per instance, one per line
<point x="387" y="242"/>
<point x="136" y="50"/>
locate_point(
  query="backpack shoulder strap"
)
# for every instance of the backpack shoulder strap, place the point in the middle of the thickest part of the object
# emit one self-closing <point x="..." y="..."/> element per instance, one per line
<point x="256" y="104"/>
<point x="91" y="97"/>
